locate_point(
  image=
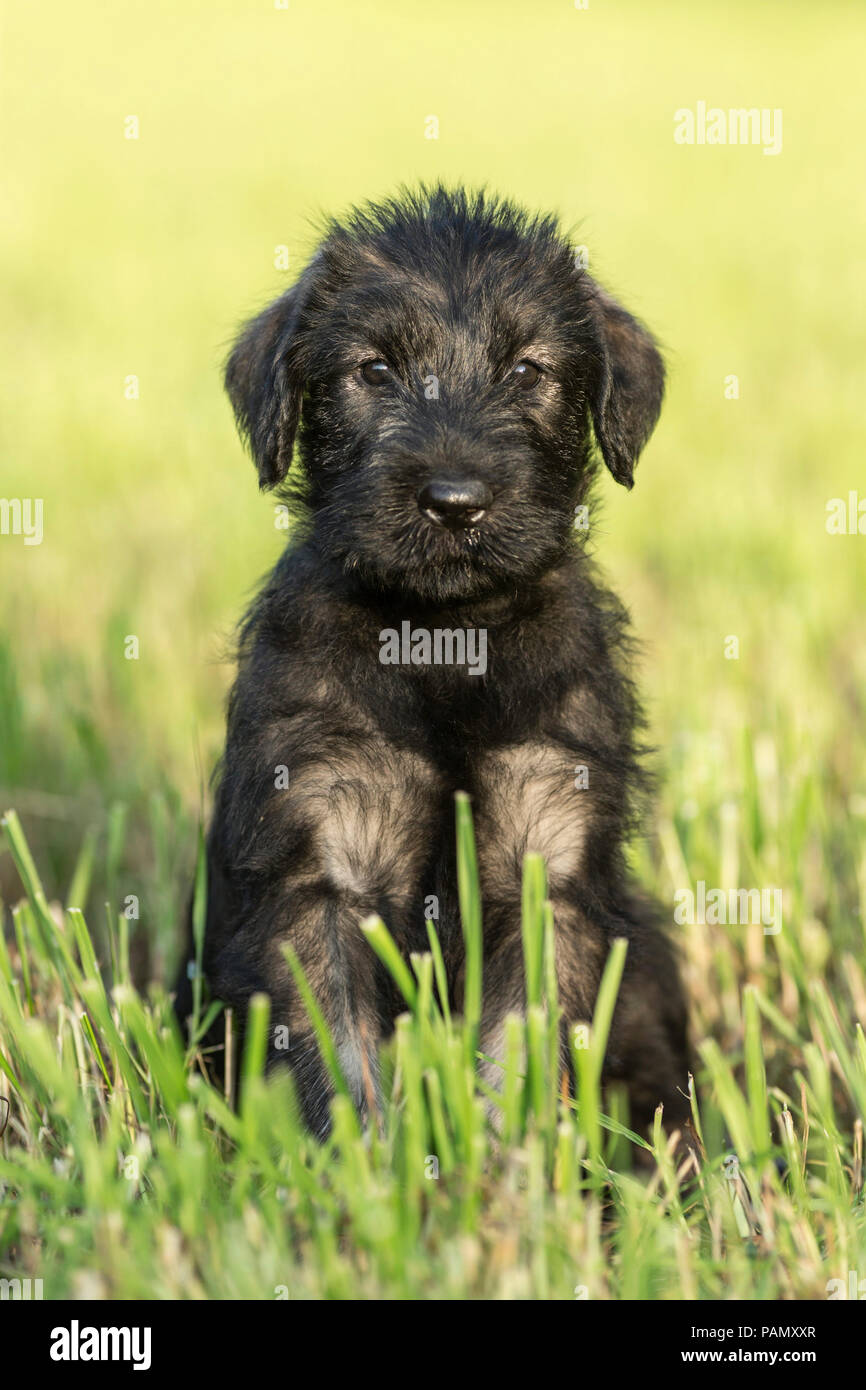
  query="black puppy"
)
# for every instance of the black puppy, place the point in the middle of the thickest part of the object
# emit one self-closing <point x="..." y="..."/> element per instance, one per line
<point x="435" y="625"/>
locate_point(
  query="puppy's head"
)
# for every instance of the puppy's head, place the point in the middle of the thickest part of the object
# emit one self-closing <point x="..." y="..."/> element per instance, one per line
<point x="444" y="363"/>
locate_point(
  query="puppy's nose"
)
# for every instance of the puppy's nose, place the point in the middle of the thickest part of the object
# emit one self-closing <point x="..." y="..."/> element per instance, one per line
<point x="455" y="503"/>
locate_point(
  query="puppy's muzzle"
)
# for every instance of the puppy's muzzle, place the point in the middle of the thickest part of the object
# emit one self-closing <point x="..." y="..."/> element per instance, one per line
<point x="456" y="503"/>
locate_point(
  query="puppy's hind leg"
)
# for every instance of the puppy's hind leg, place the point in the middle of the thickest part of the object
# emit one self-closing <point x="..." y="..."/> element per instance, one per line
<point x="649" y="1047"/>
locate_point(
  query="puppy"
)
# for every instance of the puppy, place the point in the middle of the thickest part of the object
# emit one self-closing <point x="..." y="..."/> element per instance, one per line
<point x="451" y="377"/>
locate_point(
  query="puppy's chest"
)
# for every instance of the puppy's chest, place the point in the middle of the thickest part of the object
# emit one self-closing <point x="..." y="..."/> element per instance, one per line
<point x="457" y="711"/>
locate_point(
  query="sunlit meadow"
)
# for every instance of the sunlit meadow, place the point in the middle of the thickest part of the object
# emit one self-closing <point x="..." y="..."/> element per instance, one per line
<point x="127" y="264"/>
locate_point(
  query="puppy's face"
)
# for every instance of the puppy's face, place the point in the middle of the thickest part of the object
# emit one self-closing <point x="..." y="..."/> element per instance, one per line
<point x="444" y="359"/>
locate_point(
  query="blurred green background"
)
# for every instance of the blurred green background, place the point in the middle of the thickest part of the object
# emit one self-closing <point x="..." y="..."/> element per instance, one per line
<point x="126" y="257"/>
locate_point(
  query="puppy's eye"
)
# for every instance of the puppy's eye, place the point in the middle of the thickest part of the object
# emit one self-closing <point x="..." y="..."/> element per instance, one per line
<point x="527" y="374"/>
<point x="375" y="373"/>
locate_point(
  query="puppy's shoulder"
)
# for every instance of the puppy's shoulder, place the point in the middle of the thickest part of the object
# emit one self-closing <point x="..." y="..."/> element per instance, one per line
<point x="297" y="607"/>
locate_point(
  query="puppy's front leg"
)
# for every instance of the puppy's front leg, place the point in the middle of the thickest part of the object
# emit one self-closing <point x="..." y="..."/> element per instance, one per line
<point x="345" y="837"/>
<point x="526" y="800"/>
<point x="529" y="800"/>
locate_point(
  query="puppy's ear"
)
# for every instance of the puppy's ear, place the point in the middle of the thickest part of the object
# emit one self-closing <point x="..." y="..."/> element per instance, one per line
<point x="626" y="394"/>
<point x="265" y="382"/>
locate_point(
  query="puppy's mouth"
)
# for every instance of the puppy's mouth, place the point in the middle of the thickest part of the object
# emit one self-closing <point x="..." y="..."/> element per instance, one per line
<point x="399" y="549"/>
<point x="467" y="548"/>
<point x="459" y="538"/>
<point x="466" y="526"/>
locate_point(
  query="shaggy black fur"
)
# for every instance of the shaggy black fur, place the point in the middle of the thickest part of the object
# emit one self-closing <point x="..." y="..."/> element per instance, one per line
<point x="444" y="364"/>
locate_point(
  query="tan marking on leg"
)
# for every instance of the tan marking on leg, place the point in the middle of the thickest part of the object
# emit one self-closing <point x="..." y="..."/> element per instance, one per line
<point x="369" y="808"/>
<point x="528" y="801"/>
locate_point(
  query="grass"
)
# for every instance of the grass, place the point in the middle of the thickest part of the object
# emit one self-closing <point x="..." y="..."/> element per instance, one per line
<point x="124" y="1174"/>
<point x="128" y="1176"/>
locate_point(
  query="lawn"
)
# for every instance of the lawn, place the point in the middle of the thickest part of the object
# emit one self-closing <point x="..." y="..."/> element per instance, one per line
<point x="127" y="264"/>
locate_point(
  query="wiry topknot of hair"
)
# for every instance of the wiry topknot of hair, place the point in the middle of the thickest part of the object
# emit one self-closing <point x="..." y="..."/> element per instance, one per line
<point x="471" y="219"/>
